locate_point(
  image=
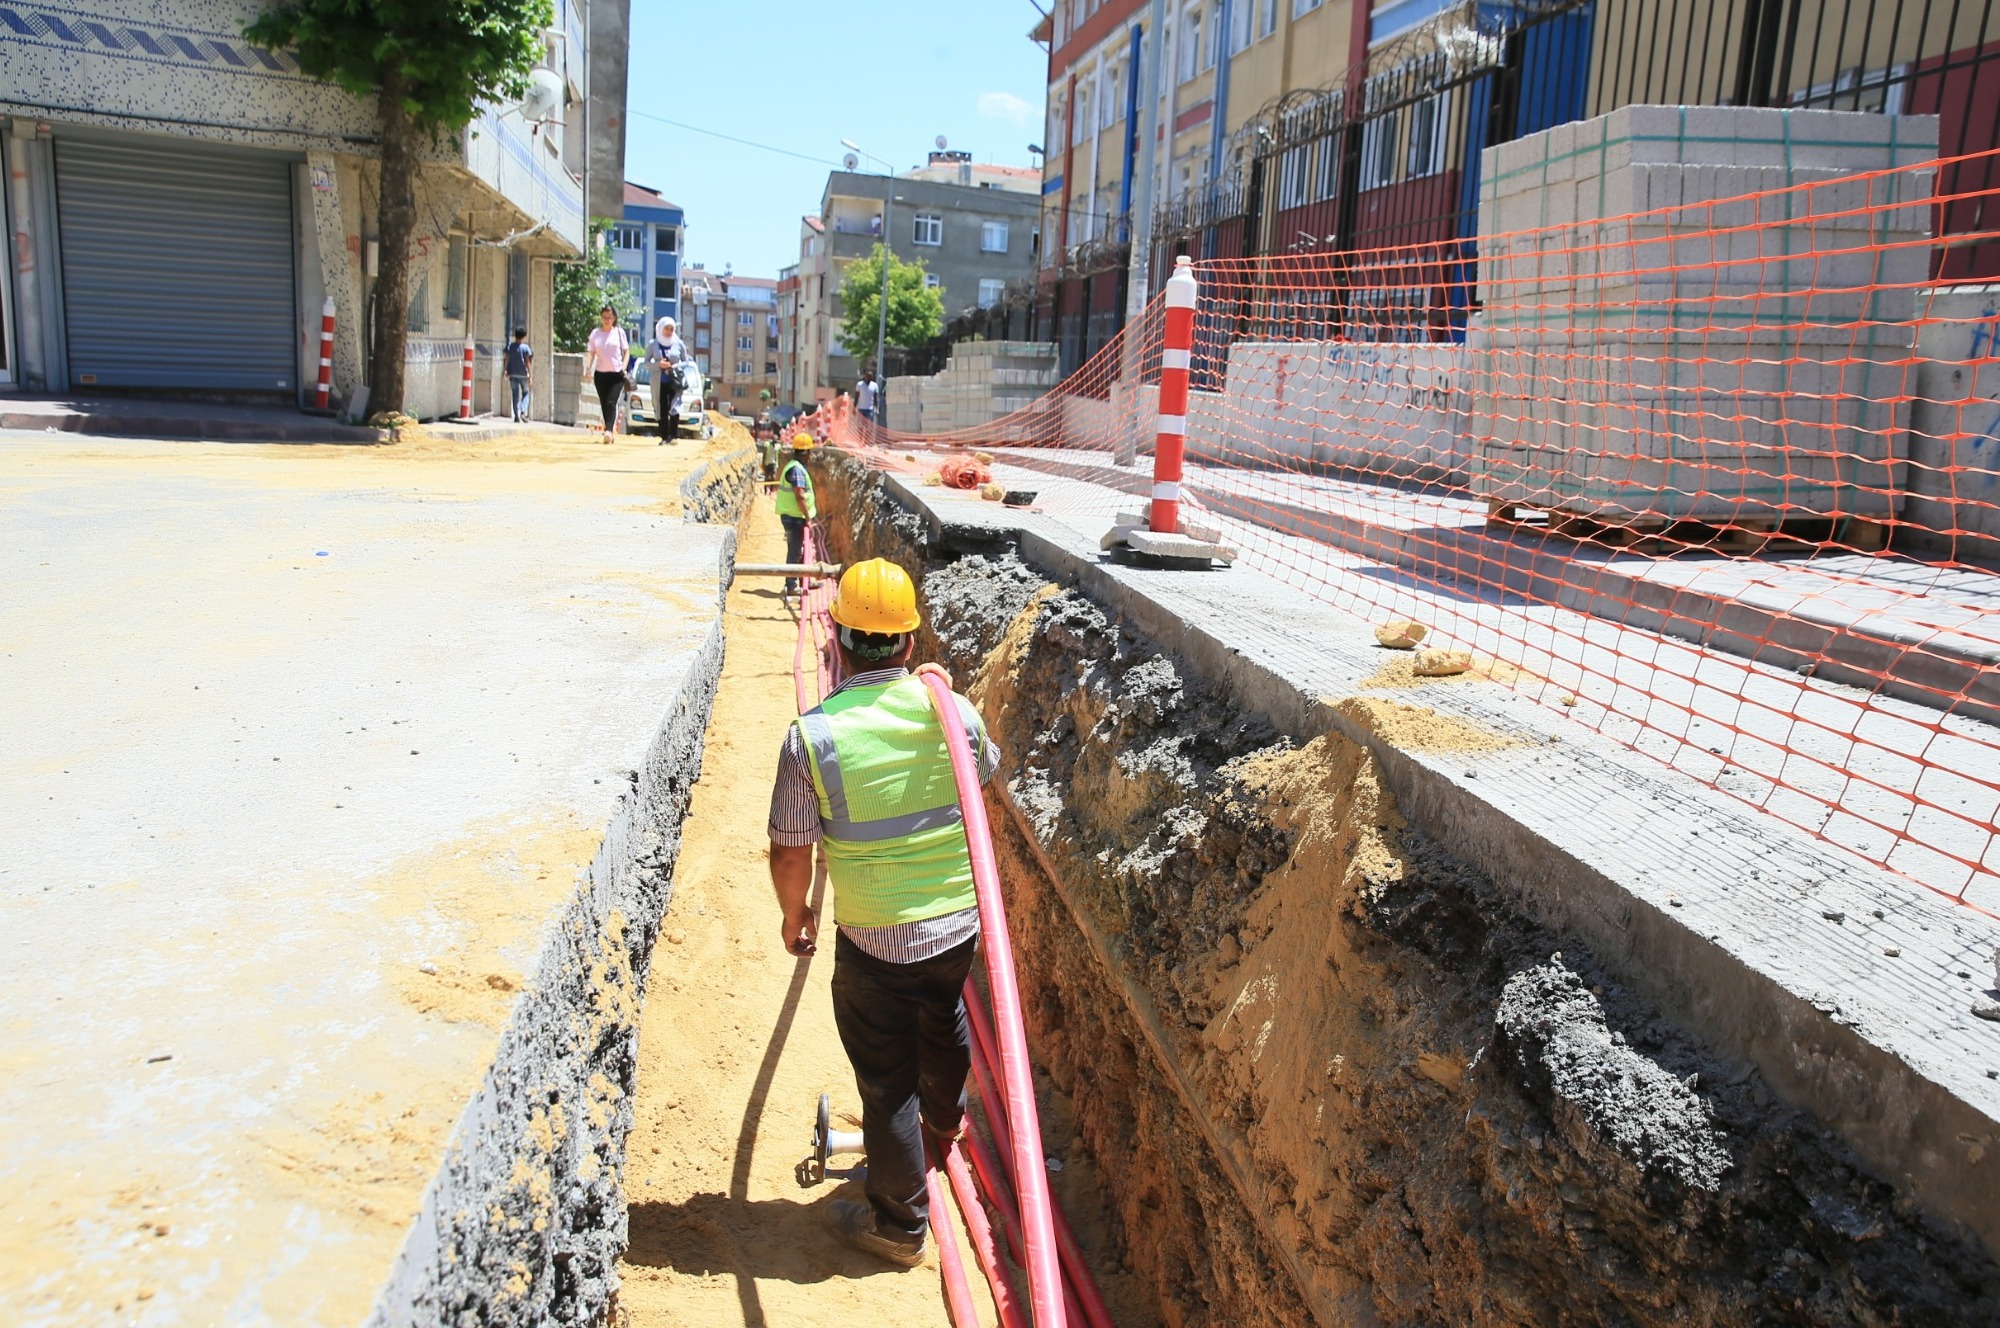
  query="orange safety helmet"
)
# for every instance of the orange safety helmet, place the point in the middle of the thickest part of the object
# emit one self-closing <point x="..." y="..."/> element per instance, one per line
<point x="877" y="596"/>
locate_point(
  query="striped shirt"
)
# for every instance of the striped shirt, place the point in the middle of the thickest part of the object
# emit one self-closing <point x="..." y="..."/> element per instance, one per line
<point x="795" y="823"/>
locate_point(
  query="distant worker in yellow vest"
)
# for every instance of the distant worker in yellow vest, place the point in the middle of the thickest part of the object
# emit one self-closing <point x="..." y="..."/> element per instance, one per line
<point x="796" y="504"/>
<point x="866" y="775"/>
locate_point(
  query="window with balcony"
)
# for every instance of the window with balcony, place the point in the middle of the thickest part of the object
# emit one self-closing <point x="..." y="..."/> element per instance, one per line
<point x="928" y="229"/>
<point x="993" y="237"/>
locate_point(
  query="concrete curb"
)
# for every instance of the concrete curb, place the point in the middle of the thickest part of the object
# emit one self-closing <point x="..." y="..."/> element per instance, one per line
<point x="571" y="1044"/>
<point x="501" y="433"/>
<point x="1733" y="924"/>
<point x="699" y="491"/>
<point x="174" y="426"/>
<point x="1913" y="671"/>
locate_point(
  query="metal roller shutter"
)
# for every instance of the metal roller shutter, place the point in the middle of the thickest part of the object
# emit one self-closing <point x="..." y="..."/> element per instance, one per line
<point x="177" y="265"/>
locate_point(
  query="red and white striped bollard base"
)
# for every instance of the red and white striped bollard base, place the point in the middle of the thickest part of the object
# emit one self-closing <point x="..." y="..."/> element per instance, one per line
<point x="1161" y="534"/>
<point x="323" y="394"/>
<point x="465" y="384"/>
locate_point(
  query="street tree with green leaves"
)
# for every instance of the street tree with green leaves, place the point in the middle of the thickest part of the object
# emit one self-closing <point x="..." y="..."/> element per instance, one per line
<point x="429" y="64"/>
<point x="916" y="311"/>
<point x="583" y="288"/>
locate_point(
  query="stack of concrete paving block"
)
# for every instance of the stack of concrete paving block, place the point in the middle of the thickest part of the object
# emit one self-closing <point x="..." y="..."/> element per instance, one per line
<point x="982" y="381"/>
<point x="904" y="400"/>
<point x="1700" y="313"/>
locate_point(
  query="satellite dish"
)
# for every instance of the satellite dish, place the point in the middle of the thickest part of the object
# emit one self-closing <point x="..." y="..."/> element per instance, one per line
<point x="940" y="142"/>
<point x="544" y="96"/>
<point x="850" y="161"/>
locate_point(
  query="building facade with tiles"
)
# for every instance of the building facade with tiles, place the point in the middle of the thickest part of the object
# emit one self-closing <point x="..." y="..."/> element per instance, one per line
<point x="181" y="204"/>
<point x="646" y="245"/>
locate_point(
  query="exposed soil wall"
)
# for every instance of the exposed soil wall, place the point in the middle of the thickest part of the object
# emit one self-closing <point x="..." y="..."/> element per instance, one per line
<point x="1329" y="1073"/>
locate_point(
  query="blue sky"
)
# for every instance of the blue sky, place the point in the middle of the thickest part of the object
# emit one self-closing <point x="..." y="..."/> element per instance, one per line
<point x="799" y="75"/>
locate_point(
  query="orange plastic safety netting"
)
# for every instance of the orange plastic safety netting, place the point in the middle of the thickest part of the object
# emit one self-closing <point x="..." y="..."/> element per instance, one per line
<point x="1702" y="454"/>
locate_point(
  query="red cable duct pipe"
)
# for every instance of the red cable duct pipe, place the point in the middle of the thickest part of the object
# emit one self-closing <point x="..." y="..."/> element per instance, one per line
<point x="1044" y="1272"/>
<point x="1080" y="1279"/>
<point x="981" y="1233"/>
<point x="957" y="1288"/>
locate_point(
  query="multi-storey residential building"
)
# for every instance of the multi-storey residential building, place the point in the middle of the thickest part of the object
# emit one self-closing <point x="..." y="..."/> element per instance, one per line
<point x="974" y="226"/>
<point x="788" y="335"/>
<point x="168" y="183"/>
<point x="736" y="337"/>
<point x="646" y="244"/>
<point x="1298" y="125"/>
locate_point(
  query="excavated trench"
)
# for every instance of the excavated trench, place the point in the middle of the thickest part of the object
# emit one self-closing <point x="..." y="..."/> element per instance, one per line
<point x="1329" y="1074"/>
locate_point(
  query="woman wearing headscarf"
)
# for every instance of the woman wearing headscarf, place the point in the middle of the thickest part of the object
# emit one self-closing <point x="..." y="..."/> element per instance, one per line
<point x="665" y="353"/>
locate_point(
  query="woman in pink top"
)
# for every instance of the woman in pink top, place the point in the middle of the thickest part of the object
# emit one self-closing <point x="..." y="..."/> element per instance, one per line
<point x="607" y="354"/>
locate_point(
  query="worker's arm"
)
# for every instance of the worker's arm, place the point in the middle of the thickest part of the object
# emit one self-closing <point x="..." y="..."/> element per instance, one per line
<point x="794" y="831"/>
<point x="791" y="877"/>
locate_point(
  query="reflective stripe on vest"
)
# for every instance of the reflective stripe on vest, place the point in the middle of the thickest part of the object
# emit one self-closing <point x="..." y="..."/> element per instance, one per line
<point x="876" y="750"/>
<point x="788" y="500"/>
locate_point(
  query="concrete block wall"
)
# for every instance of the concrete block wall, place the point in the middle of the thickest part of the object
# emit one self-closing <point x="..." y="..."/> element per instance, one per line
<point x="982" y="381"/>
<point x="1954" y="471"/>
<point x="1714" y="356"/>
<point x="1390" y="408"/>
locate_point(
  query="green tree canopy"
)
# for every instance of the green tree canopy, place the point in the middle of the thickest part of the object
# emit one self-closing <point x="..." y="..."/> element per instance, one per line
<point x="586" y="287"/>
<point x="916" y="311"/>
<point x="430" y="63"/>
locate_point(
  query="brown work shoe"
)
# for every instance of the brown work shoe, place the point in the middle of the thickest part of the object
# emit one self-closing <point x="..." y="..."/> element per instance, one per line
<point x="854" y="1224"/>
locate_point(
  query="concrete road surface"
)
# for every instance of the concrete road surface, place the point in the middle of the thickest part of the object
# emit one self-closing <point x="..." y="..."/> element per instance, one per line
<point x="304" y="747"/>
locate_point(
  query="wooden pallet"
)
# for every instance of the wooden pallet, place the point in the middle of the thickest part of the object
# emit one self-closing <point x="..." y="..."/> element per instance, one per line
<point x="1661" y="536"/>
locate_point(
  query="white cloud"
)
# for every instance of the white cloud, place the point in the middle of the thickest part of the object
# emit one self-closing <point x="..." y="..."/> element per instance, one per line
<point x="1004" y="106"/>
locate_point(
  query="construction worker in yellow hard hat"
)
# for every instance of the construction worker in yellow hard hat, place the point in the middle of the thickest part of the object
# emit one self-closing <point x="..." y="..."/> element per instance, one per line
<point x="866" y="775"/>
<point x="796" y="504"/>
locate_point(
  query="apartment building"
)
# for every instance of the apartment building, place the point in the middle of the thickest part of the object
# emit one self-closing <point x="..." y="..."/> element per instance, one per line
<point x="734" y="338"/>
<point x="1302" y="125"/>
<point x="646" y="244"/>
<point x="974" y="226"/>
<point x="168" y="182"/>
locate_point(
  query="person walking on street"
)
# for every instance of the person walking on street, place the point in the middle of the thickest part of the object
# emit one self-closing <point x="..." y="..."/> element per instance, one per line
<point x="867" y="776"/>
<point x="865" y="393"/>
<point x="609" y="350"/>
<point x="796" y="504"/>
<point x="665" y="354"/>
<point x="520" y="363"/>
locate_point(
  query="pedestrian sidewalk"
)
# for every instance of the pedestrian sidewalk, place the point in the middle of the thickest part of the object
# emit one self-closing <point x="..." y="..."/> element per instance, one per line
<point x="218" y="421"/>
<point x="140" y="417"/>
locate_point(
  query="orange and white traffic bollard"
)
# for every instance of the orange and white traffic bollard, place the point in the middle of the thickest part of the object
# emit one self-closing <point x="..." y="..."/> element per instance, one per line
<point x="1170" y="442"/>
<point x="465" y="385"/>
<point x="323" y="394"/>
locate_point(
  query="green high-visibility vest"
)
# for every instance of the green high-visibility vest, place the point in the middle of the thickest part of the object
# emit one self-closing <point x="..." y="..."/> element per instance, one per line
<point x="788" y="501"/>
<point x="894" y="836"/>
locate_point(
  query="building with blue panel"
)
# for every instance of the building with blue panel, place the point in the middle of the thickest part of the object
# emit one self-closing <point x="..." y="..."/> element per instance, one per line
<point x="646" y="245"/>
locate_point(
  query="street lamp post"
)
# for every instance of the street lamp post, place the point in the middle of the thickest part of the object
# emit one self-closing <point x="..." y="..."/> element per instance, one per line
<point x="882" y="309"/>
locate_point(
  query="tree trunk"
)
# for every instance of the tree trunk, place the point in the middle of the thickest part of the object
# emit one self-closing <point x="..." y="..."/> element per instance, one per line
<point x="397" y="227"/>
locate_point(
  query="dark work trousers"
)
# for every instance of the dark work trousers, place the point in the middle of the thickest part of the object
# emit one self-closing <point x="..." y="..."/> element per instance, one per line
<point x="904" y="1029"/>
<point x="795" y="545"/>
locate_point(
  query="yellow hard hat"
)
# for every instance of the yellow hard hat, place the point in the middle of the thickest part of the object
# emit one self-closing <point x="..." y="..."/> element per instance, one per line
<point x="877" y="596"/>
<point x="802" y="442"/>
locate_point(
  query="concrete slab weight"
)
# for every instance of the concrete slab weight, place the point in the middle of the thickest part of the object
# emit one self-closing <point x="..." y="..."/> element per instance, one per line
<point x="339" y="801"/>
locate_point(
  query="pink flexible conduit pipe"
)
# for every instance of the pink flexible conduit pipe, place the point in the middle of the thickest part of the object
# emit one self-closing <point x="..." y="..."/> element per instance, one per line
<point x="1045" y="1293"/>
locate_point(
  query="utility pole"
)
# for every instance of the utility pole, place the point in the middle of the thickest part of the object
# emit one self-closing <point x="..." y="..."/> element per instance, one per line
<point x="1152" y="54"/>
